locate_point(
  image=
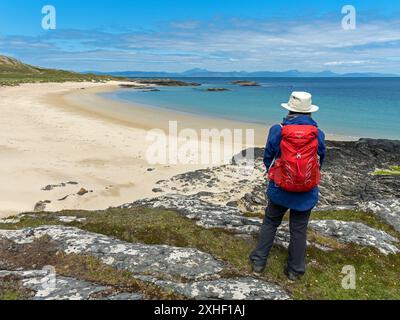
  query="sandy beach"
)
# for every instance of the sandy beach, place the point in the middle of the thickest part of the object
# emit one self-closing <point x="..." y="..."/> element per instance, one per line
<point x="63" y="137"/>
<point x="51" y="135"/>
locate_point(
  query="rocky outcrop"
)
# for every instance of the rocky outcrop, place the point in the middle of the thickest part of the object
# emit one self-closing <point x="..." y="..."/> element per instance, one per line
<point x="206" y="214"/>
<point x="210" y="215"/>
<point x="387" y="209"/>
<point x="232" y="183"/>
<point x="348" y="180"/>
<point x="226" y="289"/>
<point x="163" y="266"/>
<point x="69" y="219"/>
<point x="217" y="89"/>
<point x="61" y="185"/>
<point x="140" y="88"/>
<point x="166" y="82"/>
<point x="64" y="288"/>
<point x="10" y="220"/>
<point x="246" y="83"/>
<point x="357" y="233"/>
<point x="348" y="172"/>
<point x="41" y="205"/>
<point x="164" y="261"/>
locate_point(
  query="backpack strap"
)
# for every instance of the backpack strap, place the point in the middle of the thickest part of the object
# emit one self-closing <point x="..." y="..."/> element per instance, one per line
<point x="274" y="160"/>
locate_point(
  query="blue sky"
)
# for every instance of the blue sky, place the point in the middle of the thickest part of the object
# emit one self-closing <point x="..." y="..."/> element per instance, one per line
<point x="176" y="35"/>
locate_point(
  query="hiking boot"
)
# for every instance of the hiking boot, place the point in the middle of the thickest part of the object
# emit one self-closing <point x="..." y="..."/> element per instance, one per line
<point x="257" y="270"/>
<point x="291" y="275"/>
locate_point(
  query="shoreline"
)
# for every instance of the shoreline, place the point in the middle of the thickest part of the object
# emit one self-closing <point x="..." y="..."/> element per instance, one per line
<point x="118" y="110"/>
<point x="140" y="116"/>
<point x="64" y="137"/>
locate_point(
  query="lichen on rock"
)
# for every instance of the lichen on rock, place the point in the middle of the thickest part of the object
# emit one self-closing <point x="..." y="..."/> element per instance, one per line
<point x="65" y="288"/>
<point x="160" y="260"/>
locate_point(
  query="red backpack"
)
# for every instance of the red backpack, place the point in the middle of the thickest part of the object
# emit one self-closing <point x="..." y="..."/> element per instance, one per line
<point x="298" y="168"/>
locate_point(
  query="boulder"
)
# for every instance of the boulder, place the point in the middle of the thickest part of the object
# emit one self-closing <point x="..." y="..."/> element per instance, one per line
<point x="82" y="192"/>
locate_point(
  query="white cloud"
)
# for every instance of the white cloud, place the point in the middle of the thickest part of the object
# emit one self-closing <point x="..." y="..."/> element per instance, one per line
<point x="237" y="44"/>
<point x="346" y="63"/>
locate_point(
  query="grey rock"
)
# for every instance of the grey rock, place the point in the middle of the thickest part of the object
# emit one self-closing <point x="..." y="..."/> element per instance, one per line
<point x="41" y="206"/>
<point x="64" y="288"/>
<point x="166" y="82"/>
<point x="206" y="214"/>
<point x="53" y="186"/>
<point x="387" y="209"/>
<point x="10" y="220"/>
<point x="69" y="219"/>
<point x="82" y="192"/>
<point x="160" y="260"/>
<point x="357" y="233"/>
<point x="228" y="183"/>
<point x="226" y="289"/>
<point x="147" y="263"/>
<point x="233" y="204"/>
<point x="216" y="89"/>
<point x="246" y="83"/>
<point x="219" y="216"/>
<point x="348" y="171"/>
<point x="125" y="297"/>
<point x="347" y="175"/>
<point x="63" y="198"/>
<point x="60" y="185"/>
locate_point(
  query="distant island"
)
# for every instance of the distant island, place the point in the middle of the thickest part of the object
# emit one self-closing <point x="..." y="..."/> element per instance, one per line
<point x="204" y="73"/>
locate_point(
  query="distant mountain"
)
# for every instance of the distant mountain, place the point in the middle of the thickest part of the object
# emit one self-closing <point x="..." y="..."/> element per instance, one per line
<point x="11" y="65"/>
<point x="204" y="73"/>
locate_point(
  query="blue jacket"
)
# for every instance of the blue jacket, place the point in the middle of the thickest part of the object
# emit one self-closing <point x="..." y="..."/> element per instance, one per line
<point x="296" y="201"/>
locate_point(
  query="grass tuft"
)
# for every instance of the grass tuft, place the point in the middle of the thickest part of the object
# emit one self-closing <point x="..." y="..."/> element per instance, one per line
<point x="392" y="171"/>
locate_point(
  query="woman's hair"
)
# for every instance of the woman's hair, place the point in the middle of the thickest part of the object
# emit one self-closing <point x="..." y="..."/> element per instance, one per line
<point x="292" y="113"/>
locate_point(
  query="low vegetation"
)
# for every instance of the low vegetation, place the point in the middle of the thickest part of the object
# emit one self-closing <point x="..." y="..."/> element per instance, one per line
<point x="11" y="289"/>
<point x="14" y="73"/>
<point x="377" y="275"/>
<point x="392" y="171"/>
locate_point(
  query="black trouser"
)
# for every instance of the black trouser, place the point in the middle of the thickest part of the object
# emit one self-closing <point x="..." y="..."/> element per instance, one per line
<point x="298" y="237"/>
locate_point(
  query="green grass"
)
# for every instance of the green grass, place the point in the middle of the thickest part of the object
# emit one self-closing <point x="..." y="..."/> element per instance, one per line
<point x="15" y="79"/>
<point x="392" y="171"/>
<point x="11" y="289"/>
<point x="14" y="73"/>
<point x="11" y="295"/>
<point x="377" y="275"/>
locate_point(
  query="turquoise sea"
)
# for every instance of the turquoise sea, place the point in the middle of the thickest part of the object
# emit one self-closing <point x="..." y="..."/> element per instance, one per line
<point x="359" y="107"/>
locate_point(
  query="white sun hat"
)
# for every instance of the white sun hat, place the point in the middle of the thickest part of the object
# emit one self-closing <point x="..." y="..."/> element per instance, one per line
<point x="300" y="102"/>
